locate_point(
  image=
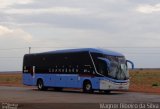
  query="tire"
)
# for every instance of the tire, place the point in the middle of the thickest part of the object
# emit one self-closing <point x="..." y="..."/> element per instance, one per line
<point x="87" y="87"/>
<point x="40" y="85"/>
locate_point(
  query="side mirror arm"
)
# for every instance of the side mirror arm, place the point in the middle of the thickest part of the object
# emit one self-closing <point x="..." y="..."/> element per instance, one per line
<point x="128" y="61"/>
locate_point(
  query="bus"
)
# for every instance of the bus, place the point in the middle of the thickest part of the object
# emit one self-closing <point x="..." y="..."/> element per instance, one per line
<point x="84" y="68"/>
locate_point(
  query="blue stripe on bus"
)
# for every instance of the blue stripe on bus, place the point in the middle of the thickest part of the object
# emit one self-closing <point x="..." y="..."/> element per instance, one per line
<point x="66" y="80"/>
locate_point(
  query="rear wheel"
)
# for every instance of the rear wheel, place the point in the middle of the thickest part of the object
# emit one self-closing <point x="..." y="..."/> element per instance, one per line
<point x="40" y="85"/>
<point x="87" y="87"/>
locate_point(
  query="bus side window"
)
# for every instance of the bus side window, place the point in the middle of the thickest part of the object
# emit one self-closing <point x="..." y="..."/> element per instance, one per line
<point x="59" y="69"/>
<point x="69" y="70"/>
<point x="66" y="70"/>
<point x="62" y="69"/>
<point x="73" y="70"/>
<point x="53" y="69"/>
<point x="77" y="68"/>
<point x="85" y="70"/>
<point x="92" y="70"/>
<point x="102" y="67"/>
<point x="50" y="70"/>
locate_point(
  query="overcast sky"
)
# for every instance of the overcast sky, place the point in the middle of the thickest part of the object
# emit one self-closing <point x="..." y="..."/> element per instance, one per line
<point x="131" y="25"/>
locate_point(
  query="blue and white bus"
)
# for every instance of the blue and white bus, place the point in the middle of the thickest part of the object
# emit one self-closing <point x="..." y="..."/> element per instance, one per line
<point x="87" y="68"/>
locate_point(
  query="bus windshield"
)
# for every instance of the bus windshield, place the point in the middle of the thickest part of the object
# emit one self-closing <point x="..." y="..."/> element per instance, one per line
<point x="116" y="68"/>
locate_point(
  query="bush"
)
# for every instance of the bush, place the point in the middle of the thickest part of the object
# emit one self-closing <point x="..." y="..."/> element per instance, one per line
<point x="155" y="84"/>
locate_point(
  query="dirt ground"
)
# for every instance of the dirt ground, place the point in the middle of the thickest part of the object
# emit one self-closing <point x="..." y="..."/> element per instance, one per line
<point x="145" y="81"/>
<point x="11" y="79"/>
<point x="142" y="80"/>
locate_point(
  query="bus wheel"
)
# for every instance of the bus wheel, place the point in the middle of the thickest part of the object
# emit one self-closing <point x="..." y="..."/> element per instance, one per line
<point x="40" y="85"/>
<point x="87" y="87"/>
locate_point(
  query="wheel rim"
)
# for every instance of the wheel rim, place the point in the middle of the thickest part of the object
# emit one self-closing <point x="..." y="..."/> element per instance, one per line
<point x="88" y="87"/>
<point x="40" y="85"/>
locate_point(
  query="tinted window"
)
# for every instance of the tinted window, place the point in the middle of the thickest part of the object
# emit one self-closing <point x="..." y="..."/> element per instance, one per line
<point x="60" y="63"/>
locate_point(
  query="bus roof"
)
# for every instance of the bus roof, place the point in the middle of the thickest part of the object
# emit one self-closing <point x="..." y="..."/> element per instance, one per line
<point x="92" y="50"/>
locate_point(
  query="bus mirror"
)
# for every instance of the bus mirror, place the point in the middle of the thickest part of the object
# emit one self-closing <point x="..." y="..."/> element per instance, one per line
<point x="132" y="64"/>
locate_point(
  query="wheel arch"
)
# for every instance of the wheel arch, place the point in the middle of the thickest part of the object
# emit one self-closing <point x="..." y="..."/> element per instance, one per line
<point x="86" y="80"/>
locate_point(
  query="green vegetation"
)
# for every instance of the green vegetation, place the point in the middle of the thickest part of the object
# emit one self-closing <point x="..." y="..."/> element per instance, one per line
<point x="155" y="84"/>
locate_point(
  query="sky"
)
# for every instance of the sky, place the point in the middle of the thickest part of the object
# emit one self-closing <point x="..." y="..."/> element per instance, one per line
<point x="130" y="27"/>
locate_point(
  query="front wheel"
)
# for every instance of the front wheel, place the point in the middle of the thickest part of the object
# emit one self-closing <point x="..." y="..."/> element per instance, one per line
<point x="87" y="87"/>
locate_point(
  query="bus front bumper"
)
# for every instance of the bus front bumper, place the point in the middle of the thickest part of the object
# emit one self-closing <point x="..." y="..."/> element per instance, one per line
<point x="110" y="85"/>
